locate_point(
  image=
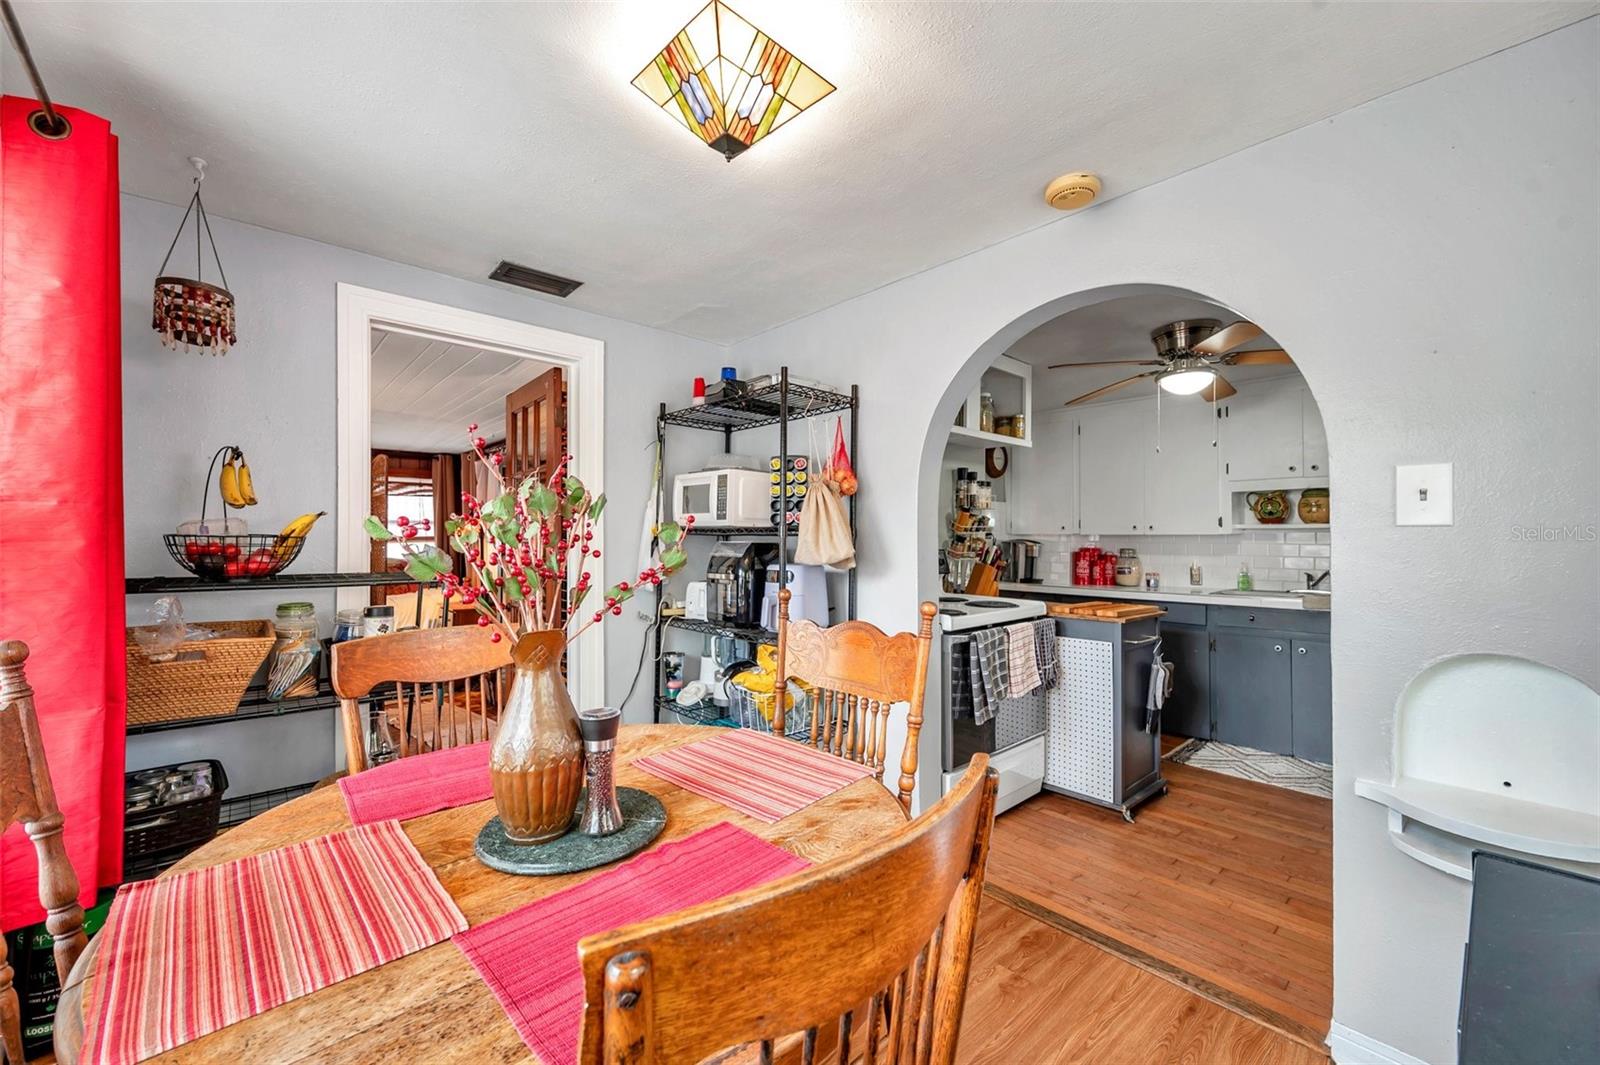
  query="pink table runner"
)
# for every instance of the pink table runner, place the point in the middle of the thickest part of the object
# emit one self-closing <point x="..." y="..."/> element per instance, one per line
<point x="761" y="775"/>
<point x="193" y="953"/>
<point x="421" y="784"/>
<point x="529" y="957"/>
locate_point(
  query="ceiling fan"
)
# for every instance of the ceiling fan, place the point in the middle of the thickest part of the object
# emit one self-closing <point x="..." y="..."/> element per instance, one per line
<point x="1188" y="354"/>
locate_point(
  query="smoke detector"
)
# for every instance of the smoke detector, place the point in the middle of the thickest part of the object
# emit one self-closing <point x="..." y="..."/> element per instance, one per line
<point x="1072" y="191"/>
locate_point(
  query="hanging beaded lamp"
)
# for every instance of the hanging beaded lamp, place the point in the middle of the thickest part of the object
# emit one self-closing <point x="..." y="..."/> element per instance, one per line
<point x="191" y="311"/>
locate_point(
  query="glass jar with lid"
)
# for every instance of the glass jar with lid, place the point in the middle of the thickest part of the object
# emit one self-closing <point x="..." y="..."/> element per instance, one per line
<point x="986" y="412"/>
<point x="292" y="662"/>
<point x="1130" y="572"/>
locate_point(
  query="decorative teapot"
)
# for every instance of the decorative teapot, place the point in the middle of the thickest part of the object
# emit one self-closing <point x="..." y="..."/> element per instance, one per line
<point x="1270" y="508"/>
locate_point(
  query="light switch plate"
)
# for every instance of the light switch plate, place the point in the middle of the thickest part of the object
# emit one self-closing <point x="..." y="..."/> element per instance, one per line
<point x="1423" y="494"/>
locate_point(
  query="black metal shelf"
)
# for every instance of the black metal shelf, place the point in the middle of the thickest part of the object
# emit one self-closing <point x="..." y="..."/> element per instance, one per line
<point x="760" y="406"/>
<point x="254" y="705"/>
<point x="702" y="713"/>
<point x="778" y="401"/>
<point x="741" y="530"/>
<point x="752" y="633"/>
<point x="150" y="585"/>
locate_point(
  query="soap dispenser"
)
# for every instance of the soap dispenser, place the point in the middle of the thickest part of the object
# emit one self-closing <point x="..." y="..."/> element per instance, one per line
<point x="1245" y="584"/>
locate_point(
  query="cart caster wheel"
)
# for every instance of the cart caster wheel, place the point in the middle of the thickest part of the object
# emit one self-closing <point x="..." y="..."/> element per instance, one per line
<point x="1127" y="815"/>
<point x="1165" y="790"/>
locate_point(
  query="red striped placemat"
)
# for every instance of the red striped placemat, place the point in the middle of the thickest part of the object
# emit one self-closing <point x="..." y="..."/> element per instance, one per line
<point x="757" y="774"/>
<point x="529" y="957"/>
<point x="190" y="954"/>
<point x="421" y="784"/>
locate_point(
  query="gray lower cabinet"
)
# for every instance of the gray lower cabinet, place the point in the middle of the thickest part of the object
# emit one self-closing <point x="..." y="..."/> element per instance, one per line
<point x="1188" y="711"/>
<point x="1311" y="676"/>
<point x="1252" y="709"/>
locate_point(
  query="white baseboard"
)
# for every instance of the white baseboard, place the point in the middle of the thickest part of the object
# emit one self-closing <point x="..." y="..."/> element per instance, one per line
<point x="1350" y="1047"/>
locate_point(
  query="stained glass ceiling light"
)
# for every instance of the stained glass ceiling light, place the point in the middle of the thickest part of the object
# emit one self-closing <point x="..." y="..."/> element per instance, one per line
<point x="727" y="82"/>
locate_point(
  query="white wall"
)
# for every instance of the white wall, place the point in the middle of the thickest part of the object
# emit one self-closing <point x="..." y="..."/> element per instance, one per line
<point x="273" y="394"/>
<point x="1430" y="258"/>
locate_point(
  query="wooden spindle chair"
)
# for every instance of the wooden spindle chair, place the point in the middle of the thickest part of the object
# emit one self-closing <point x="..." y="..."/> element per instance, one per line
<point x="870" y="953"/>
<point x="859" y="674"/>
<point x="27" y="795"/>
<point x="448" y="683"/>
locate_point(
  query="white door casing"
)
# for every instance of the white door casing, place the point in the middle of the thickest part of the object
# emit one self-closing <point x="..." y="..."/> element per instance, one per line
<point x="582" y="358"/>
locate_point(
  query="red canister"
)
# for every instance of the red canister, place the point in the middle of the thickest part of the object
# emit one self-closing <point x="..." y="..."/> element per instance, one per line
<point x="1080" y="566"/>
<point x="1106" y="567"/>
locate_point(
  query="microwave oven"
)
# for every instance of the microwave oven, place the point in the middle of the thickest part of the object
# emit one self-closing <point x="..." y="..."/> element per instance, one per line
<point x="723" y="498"/>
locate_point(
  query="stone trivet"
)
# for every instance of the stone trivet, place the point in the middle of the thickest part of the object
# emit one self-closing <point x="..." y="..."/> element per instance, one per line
<point x="643" y="818"/>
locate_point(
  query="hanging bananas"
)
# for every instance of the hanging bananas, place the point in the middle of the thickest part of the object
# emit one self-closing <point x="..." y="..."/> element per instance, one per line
<point x="234" y="482"/>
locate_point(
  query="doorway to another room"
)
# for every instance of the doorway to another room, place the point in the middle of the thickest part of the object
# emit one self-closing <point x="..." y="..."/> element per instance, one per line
<point x="412" y="377"/>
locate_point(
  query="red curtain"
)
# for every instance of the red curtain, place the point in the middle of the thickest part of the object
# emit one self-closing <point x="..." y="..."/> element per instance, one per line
<point x="61" y="576"/>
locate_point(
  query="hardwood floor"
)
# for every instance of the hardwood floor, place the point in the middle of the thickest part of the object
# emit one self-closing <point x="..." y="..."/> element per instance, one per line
<point x="1224" y="886"/>
<point x="1039" y="996"/>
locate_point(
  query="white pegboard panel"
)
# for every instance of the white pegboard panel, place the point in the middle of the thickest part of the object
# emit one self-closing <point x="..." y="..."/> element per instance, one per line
<point x="1080" y="737"/>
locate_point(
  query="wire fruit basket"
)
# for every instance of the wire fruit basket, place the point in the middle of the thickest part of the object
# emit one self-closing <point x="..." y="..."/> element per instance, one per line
<point x="233" y="558"/>
<point x="751" y="710"/>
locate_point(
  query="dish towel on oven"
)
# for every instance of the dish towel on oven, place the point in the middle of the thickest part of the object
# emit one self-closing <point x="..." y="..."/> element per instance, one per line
<point x="1023" y="648"/>
<point x="1044" y="636"/>
<point x="990" y="667"/>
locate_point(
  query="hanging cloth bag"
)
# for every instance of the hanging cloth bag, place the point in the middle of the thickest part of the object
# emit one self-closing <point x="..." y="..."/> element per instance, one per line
<point x="824" y="524"/>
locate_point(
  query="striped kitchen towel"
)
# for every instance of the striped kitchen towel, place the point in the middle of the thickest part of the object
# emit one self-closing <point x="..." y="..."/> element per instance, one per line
<point x="421" y="784"/>
<point x="187" y="955"/>
<point x="755" y="773"/>
<point x="529" y="957"/>
<point x="1022" y="649"/>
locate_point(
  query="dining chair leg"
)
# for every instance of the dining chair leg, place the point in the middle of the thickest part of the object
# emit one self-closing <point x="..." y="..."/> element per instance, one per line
<point x="10" y="1010"/>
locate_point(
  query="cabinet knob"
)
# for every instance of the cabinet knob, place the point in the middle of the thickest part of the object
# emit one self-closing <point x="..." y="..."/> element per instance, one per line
<point x="1315" y="466"/>
<point x="1136" y="528"/>
<point x="1300" y="650"/>
<point x="1291" y="469"/>
<point x="1277" y="648"/>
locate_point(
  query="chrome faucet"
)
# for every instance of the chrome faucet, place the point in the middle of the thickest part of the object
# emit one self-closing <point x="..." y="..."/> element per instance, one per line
<point x="1315" y="581"/>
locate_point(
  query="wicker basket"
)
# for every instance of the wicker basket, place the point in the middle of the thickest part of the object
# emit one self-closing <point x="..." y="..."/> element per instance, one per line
<point x="206" y="678"/>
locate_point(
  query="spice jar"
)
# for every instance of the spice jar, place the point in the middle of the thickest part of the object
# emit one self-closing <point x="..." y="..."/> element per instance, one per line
<point x="986" y="413"/>
<point x="292" y="662"/>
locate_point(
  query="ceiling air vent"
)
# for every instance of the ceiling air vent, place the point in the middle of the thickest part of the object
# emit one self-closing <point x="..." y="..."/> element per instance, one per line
<point x="538" y="280"/>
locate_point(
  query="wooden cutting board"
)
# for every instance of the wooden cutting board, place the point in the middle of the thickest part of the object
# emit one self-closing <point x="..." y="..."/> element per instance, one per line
<point x="1104" y="610"/>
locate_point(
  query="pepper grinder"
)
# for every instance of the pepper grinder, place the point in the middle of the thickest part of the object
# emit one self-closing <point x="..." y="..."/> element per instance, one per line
<point x="601" y="815"/>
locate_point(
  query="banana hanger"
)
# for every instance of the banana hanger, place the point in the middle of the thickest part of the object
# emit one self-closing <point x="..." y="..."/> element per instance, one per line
<point x="228" y="454"/>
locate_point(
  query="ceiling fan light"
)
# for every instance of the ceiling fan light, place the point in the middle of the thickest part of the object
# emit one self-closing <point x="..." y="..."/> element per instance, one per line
<point x="1186" y="382"/>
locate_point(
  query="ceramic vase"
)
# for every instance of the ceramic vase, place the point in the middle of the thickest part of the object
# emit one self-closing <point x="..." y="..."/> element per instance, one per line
<point x="1313" y="506"/>
<point x="536" y="761"/>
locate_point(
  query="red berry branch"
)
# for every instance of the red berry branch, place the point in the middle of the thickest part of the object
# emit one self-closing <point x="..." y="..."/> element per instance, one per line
<point x="529" y="550"/>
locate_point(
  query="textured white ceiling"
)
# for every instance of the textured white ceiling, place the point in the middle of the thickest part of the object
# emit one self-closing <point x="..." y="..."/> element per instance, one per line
<point x="452" y="135"/>
<point x="426" y="392"/>
<point x="1118" y="329"/>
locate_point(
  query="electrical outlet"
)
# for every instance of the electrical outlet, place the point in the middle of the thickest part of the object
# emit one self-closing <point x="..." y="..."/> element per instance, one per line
<point x="1423" y="495"/>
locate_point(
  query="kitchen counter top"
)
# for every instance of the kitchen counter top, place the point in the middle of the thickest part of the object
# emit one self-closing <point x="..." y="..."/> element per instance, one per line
<point x="1181" y="594"/>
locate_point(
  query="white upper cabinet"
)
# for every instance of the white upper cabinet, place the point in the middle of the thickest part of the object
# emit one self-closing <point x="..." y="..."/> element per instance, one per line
<point x="1262" y="434"/>
<point x="1112" y="440"/>
<point x="1314" y="435"/>
<point x="1180" y="480"/>
<point x="1042" y="483"/>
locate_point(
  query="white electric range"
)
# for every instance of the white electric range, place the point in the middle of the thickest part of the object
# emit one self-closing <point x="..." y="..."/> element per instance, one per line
<point x="962" y="613"/>
<point x="1014" y="738"/>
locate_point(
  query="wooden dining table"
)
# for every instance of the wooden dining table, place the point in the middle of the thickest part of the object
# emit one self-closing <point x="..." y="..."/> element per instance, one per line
<point x="432" y="1005"/>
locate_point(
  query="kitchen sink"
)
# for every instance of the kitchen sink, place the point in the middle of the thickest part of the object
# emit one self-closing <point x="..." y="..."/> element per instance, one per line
<point x="1310" y="598"/>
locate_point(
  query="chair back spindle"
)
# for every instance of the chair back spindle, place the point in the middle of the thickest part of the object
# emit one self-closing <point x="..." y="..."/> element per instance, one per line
<point x="881" y="980"/>
<point x="859" y="674"/>
<point x="448" y="686"/>
<point x="28" y="796"/>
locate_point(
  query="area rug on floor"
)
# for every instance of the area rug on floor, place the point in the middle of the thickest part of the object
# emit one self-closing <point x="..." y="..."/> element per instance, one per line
<point x="1247" y="763"/>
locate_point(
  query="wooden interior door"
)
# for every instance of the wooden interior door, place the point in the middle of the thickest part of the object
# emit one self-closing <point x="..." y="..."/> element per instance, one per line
<point x="536" y="434"/>
<point x="379" y="561"/>
<point x="536" y="426"/>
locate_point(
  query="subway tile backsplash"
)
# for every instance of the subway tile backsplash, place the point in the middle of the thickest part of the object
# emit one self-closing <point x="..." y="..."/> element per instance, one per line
<point x="1278" y="559"/>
